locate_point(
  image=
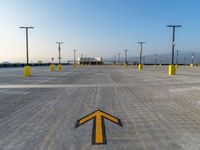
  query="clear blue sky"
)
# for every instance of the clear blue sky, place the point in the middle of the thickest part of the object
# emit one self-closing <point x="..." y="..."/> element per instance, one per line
<point x="96" y="27"/>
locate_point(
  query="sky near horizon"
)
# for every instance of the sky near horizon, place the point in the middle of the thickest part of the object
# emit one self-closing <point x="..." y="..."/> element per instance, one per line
<point x="96" y="27"/>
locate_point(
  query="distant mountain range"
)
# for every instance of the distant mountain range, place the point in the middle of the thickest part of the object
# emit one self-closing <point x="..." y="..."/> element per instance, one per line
<point x="183" y="58"/>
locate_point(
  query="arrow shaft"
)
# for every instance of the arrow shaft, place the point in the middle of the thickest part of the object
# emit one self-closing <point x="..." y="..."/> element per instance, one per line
<point x="99" y="129"/>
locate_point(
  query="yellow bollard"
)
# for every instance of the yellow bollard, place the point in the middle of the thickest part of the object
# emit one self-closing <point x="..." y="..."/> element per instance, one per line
<point x="171" y="70"/>
<point x="176" y="66"/>
<point x="140" y="66"/>
<point x="125" y="65"/>
<point x="27" y="71"/>
<point x="52" y="67"/>
<point x="74" y="66"/>
<point x="191" y="65"/>
<point x="59" y="67"/>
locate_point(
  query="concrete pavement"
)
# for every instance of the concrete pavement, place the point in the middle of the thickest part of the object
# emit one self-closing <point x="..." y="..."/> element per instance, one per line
<point x="158" y="112"/>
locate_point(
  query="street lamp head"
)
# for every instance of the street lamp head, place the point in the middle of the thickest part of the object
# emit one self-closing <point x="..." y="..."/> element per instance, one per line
<point x="141" y="42"/>
<point x="26" y="27"/>
<point x="59" y="42"/>
<point x="174" y="25"/>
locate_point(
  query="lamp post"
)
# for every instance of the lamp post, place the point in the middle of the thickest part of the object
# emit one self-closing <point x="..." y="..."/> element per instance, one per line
<point x="177" y="52"/>
<point x="172" y="69"/>
<point x="144" y="60"/>
<point x="59" y="55"/>
<point x="140" y="66"/>
<point x="118" y="58"/>
<point x="141" y="49"/>
<point x="155" y="63"/>
<point x="184" y="60"/>
<point x="126" y="63"/>
<point x="81" y="59"/>
<point x="192" y="64"/>
<point x="74" y="66"/>
<point x="173" y="39"/>
<point x="27" y="56"/>
<point x="114" y="59"/>
<point x="160" y="58"/>
<point x="59" y="49"/>
<point x="27" y="68"/>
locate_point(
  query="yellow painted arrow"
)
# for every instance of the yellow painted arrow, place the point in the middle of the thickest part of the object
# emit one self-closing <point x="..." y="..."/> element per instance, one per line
<point x="99" y="130"/>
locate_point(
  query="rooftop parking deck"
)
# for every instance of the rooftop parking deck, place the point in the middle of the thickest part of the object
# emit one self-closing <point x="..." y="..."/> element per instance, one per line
<point x="157" y="111"/>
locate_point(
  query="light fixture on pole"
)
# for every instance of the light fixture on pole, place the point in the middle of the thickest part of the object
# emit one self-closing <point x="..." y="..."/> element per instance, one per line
<point x="27" y="68"/>
<point x="140" y="66"/>
<point x="155" y="63"/>
<point x="118" y="58"/>
<point x="74" y="65"/>
<point x="114" y="59"/>
<point x="59" y="55"/>
<point x="126" y="63"/>
<point x="192" y="64"/>
<point x="59" y="51"/>
<point x="172" y="68"/>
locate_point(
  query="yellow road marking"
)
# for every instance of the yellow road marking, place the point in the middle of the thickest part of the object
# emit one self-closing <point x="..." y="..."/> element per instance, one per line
<point x="99" y="131"/>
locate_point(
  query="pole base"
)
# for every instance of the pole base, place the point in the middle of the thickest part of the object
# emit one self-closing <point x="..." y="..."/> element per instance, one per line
<point x="125" y="65"/>
<point x="191" y="65"/>
<point x="176" y="66"/>
<point x="59" y="67"/>
<point x="52" y="67"/>
<point x="171" y="70"/>
<point x="74" y="66"/>
<point x="140" y="66"/>
<point x="27" y="71"/>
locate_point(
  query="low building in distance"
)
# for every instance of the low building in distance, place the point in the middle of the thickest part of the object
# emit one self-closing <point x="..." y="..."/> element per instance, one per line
<point x="90" y="60"/>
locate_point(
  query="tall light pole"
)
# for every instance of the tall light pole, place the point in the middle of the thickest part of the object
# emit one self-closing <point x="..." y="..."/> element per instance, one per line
<point x="114" y="59"/>
<point x="184" y="60"/>
<point x="192" y="58"/>
<point x="141" y="49"/>
<point x="118" y="58"/>
<point x="173" y="39"/>
<point x="27" y="56"/>
<point x="126" y="63"/>
<point x="74" y="57"/>
<point x="155" y="59"/>
<point x="177" y="56"/>
<point x="59" y="49"/>
<point x="81" y="59"/>
<point x="160" y="60"/>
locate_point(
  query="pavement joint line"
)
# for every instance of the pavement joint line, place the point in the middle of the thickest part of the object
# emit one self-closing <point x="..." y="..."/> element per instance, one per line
<point x="61" y="85"/>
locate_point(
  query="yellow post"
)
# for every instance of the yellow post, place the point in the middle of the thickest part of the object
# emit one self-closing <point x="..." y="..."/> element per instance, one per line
<point x="171" y="70"/>
<point x="74" y="66"/>
<point x="27" y="71"/>
<point x="59" y="67"/>
<point x="176" y="66"/>
<point x="140" y="66"/>
<point x="191" y="65"/>
<point x="154" y="66"/>
<point x="52" y="67"/>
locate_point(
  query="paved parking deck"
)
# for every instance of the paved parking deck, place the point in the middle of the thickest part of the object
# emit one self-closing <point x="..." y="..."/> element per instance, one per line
<point x="158" y="112"/>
